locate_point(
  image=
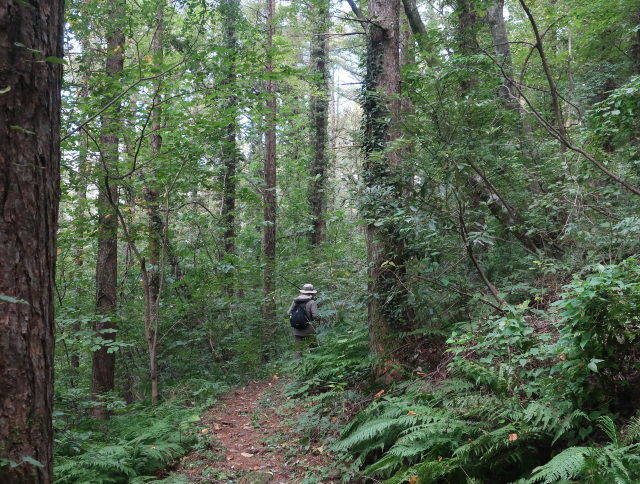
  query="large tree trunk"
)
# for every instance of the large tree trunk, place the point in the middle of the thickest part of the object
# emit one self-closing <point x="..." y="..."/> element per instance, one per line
<point x="319" y="119"/>
<point x="107" y="260"/>
<point x="29" y="195"/>
<point x="381" y="106"/>
<point x="269" y="189"/>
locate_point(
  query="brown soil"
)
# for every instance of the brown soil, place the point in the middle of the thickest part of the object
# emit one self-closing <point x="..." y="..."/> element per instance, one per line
<point x="250" y="442"/>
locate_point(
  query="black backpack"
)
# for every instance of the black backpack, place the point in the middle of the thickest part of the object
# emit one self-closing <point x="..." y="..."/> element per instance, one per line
<point x="299" y="318"/>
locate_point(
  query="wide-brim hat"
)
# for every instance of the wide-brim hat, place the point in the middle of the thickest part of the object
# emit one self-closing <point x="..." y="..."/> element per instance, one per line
<point x="308" y="289"/>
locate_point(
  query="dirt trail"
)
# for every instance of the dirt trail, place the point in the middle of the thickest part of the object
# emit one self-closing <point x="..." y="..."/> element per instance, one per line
<point x="252" y="444"/>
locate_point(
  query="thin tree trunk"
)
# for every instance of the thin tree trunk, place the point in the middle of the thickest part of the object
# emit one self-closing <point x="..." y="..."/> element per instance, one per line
<point x="29" y="196"/>
<point x="107" y="259"/>
<point x="230" y="10"/>
<point x="80" y="220"/>
<point x="319" y="120"/>
<point x="155" y="225"/>
<point x="635" y="48"/>
<point x="269" y="190"/>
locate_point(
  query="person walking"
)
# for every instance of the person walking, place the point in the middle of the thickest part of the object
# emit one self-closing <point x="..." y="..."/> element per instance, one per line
<point x="304" y="310"/>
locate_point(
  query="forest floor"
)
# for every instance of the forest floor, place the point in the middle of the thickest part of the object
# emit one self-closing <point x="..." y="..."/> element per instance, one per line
<point x="252" y="437"/>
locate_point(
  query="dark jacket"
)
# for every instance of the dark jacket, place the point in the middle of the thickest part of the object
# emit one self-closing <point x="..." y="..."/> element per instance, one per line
<point x="311" y="309"/>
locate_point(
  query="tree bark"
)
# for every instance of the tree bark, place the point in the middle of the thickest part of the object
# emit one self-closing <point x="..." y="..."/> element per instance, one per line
<point x="415" y="21"/>
<point x="319" y="120"/>
<point x="495" y="19"/>
<point x="381" y="106"/>
<point x="29" y="196"/>
<point x="509" y="95"/>
<point x="269" y="190"/>
<point x="466" y="33"/>
<point x="107" y="259"/>
<point x="635" y="47"/>
<point x="155" y="224"/>
<point x="230" y="11"/>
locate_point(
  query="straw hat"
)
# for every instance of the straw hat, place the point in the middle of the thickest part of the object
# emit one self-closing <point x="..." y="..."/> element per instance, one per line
<point x="308" y="289"/>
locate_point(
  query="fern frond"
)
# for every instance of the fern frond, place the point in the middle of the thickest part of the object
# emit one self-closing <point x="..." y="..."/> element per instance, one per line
<point x="605" y="423"/>
<point x="565" y="466"/>
<point x="631" y="431"/>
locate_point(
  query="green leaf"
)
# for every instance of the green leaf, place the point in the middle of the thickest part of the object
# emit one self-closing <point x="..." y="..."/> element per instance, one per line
<point x="20" y="128"/>
<point x="55" y="60"/>
<point x="5" y="90"/>
<point x="12" y="300"/>
<point x="593" y="364"/>
<point x="32" y="461"/>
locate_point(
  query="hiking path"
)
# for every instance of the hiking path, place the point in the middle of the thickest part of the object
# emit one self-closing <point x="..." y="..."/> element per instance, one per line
<point x="251" y="439"/>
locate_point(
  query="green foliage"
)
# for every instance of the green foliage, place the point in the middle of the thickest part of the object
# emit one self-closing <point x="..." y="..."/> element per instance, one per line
<point x="522" y="386"/>
<point x="598" y="337"/>
<point x="342" y="360"/>
<point x="133" y="445"/>
<point x="519" y="403"/>
<point x="617" y="116"/>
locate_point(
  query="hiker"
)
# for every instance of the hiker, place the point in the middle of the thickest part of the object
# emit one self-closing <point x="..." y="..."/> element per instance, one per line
<point x="302" y="311"/>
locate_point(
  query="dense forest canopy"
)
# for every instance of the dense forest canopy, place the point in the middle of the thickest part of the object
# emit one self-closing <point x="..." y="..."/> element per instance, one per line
<point x="458" y="179"/>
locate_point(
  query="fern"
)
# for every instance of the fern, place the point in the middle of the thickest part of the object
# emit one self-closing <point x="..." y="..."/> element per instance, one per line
<point x="567" y="465"/>
<point x="139" y="443"/>
<point x="631" y="432"/>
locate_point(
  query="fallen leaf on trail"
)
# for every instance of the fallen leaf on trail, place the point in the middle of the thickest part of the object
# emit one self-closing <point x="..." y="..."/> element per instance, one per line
<point x="421" y="373"/>
<point x="229" y="457"/>
<point x="246" y="454"/>
<point x="333" y="419"/>
<point x="320" y="449"/>
<point x="378" y="394"/>
<point x="275" y="377"/>
<point x="513" y="437"/>
<point x="204" y="431"/>
<point x="413" y="480"/>
<point x="216" y="427"/>
<point x="411" y="412"/>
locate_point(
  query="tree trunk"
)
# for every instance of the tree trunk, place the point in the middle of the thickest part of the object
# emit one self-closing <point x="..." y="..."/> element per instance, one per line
<point x="635" y="43"/>
<point x="269" y="190"/>
<point x="155" y="224"/>
<point x="107" y="260"/>
<point x="319" y="120"/>
<point x="29" y="195"/>
<point x="495" y="18"/>
<point x="80" y="220"/>
<point x="230" y="10"/>
<point x="502" y="48"/>
<point x="381" y="106"/>
<point x="466" y="33"/>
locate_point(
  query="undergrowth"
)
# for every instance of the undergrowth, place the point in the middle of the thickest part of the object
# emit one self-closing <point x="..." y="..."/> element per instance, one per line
<point x="531" y="396"/>
<point x="136" y="442"/>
